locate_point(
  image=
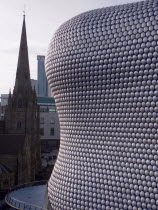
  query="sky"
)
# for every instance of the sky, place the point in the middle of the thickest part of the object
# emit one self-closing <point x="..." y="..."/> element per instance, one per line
<point x="43" y="18"/>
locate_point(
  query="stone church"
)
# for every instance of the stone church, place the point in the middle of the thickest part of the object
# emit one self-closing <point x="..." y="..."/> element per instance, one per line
<point x="19" y="137"/>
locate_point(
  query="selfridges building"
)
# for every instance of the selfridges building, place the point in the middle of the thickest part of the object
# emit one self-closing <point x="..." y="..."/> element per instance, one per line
<point x="103" y="71"/>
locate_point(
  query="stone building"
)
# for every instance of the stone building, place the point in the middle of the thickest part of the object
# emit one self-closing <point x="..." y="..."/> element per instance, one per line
<point x="19" y="139"/>
<point x="49" y="124"/>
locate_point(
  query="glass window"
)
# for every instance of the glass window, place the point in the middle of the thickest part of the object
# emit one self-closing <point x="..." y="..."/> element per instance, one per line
<point x="52" y="121"/>
<point x="52" y="131"/>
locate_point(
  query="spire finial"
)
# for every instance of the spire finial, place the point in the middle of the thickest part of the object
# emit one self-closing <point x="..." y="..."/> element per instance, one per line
<point x="24" y="10"/>
<point x="10" y="93"/>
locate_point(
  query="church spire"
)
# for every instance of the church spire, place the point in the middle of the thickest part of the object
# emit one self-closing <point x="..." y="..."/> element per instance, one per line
<point x="23" y="71"/>
<point x="10" y="97"/>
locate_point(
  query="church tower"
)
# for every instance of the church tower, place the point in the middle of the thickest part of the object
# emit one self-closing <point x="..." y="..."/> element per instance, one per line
<point x="22" y="112"/>
<point x="22" y="99"/>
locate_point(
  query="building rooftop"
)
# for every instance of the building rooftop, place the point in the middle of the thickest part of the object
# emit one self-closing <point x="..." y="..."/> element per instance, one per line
<point x="45" y="100"/>
<point x="28" y="196"/>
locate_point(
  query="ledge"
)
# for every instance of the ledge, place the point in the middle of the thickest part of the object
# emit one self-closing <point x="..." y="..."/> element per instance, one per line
<point x="28" y="196"/>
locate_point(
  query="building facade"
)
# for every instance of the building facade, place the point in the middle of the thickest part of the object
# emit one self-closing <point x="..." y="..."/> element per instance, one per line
<point x="34" y="85"/>
<point x="49" y="130"/>
<point x="41" y="77"/>
<point x="3" y="103"/>
<point x="102" y="67"/>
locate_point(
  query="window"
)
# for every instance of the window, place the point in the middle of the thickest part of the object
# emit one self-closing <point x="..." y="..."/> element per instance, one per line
<point x="52" y="131"/>
<point x="19" y="125"/>
<point x="42" y="120"/>
<point x="42" y="131"/>
<point x="20" y="103"/>
<point x="52" y="121"/>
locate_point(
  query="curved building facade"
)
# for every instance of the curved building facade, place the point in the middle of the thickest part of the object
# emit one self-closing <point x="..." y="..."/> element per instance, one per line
<point x="103" y="71"/>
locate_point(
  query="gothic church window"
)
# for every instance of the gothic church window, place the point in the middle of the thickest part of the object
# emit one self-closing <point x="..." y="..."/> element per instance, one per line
<point x="20" y="103"/>
<point x="19" y="125"/>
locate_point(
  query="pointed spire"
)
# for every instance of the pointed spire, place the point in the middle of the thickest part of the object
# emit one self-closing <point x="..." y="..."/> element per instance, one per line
<point x="23" y="71"/>
<point x="10" y="93"/>
<point x="34" y="91"/>
<point x="24" y="10"/>
<point x="34" y="94"/>
<point x="10" y="97"/>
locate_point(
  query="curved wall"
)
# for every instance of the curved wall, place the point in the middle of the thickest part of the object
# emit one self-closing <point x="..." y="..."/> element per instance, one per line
<point x="102" y="68"/>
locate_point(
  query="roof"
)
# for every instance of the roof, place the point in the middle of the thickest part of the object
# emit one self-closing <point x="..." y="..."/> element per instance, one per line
<point x="35" y="196"/>
<point x="4" y="169"/>
<point x="45" y="100"/>
<point x="11" y="143"/>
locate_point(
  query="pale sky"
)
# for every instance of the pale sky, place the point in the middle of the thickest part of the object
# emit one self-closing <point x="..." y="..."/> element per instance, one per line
<point x="43" y="18"/>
